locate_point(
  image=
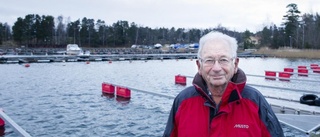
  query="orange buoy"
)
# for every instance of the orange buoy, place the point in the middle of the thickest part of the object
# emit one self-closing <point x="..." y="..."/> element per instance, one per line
<point x="271" y="75"/>
<point x="2" y="128"/>
<point x="182" y="80"/>
<point x="123" y="92"/>
<point x="27" y="65"/>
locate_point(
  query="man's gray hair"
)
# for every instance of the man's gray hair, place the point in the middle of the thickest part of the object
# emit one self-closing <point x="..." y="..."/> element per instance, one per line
<point x="218" y="36"/>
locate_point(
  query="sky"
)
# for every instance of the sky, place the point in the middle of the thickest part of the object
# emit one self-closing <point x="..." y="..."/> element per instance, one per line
<point x="237" y="15"/>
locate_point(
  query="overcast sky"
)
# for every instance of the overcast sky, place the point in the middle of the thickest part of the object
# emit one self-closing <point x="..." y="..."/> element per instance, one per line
<point x="236" y="15"/>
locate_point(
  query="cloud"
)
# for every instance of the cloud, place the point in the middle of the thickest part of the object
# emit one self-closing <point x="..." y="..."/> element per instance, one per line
<point x="236" y="15"/>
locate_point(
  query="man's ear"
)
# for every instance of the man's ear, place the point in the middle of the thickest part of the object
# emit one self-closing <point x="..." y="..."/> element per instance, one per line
<point x="199" y="66"/>
<point x="236" y="63"/>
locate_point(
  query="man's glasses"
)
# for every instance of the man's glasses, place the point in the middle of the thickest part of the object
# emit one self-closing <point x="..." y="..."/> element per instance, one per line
<point x="223" y="61"/>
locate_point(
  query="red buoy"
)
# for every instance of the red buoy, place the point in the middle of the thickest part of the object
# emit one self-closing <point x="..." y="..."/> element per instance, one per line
<point x="270" y="75"/>
<point x="87" y="62"/>
<point x="107" y="88"/>
<point x="110" y="62"/>
<point x="27" y="65"/>
<point x="302" y="67"/>
<point x="303" y="72"/>
<point x="284" y="76"/>
<point x="312" y="66"/>
<point x="316" y="69"/>
<point x="182" y="80"/>
<point x="2" y="128"/>
<point x="289" y="70"/>
<point x="123" y="92"/>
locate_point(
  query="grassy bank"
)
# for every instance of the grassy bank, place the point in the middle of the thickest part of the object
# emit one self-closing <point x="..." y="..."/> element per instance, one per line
<point x="290" y="53"/>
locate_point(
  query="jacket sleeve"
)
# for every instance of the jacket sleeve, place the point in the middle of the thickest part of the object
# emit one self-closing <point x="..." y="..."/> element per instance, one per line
<point x="270" y="119"/>
<point x="170" y="125"/>
<point x="170" y="130"/>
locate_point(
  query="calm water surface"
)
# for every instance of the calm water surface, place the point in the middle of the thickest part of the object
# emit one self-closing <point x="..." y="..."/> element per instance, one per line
<point x="64" y="99"/>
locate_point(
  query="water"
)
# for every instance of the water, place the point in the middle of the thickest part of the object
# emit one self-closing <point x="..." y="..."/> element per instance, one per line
<point x="64" y="99"/>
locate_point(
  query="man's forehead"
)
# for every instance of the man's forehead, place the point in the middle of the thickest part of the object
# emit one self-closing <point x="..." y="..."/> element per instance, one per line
<point x="216" y="48"/>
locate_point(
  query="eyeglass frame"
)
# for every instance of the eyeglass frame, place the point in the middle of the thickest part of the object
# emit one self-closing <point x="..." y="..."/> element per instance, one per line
<point x="220" y="61"/>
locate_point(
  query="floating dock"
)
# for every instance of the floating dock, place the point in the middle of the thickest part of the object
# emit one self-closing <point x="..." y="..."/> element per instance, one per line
<point x="75" y="58"/>
<point x="104" y="57"/>
<point x="309" y="124"/>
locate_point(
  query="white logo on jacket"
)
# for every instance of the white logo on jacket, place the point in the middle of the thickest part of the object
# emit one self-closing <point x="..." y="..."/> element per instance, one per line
<point x="241" y="126"/>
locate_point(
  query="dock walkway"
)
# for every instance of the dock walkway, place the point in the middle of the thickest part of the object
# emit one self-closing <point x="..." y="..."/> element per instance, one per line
<point x="99" y="57"/>
<point x="309" y="124"/>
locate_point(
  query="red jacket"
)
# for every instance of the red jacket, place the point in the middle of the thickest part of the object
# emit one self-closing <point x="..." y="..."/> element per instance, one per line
<point x="243" y="112"/>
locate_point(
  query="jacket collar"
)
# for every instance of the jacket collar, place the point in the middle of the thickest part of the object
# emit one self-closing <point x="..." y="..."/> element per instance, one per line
<point x="232" y="92"/>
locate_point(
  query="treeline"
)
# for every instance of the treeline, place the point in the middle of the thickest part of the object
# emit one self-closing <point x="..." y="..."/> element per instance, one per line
<point x="46" y="31"/>
<point x="36" y="31"/>
<point x="301" y="32"/>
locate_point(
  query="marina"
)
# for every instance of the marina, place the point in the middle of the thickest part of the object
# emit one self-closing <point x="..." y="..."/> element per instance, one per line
<point x="65" y="99"/>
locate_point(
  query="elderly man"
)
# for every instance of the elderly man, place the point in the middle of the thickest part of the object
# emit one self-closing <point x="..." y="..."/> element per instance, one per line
<point x="220" y="104"/>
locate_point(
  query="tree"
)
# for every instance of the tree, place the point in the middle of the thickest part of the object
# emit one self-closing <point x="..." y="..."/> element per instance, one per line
<point x="266" y="36"/>
<point x="101" y="32"/>
<point x="1" y="34"/>
<point x="247" y="41"/>
<point x="47" y="27"/>
<point x="311" y="31"/>
<point x="5" y="32"/>
<point x="60" y="31"/>
<point x="120" y="32"/>
<point x="29" y="27"/>
<point x="18" y="30"/>
<point x="133" y="33"/>
<point x="194" y="35"/>
<point x="279" y="39"/>
<point x="73" y="32"/>
<point x="291" y="22"/>
<point x="84" y="32"/>
<point x="38" y="30"/>
<point x="91" y="31"/>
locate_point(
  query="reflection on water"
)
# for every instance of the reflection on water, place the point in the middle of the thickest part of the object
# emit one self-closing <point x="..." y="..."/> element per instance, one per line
<point x="65" y="99"/>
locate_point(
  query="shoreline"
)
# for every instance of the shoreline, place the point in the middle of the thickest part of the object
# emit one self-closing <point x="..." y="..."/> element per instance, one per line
<point x="279" y="53"/>
<point x="290" y="53"/>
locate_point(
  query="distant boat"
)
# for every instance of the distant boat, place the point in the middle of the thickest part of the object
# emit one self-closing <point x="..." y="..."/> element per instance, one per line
<point x="84" y="53"/>
<point x="73" y="49"/>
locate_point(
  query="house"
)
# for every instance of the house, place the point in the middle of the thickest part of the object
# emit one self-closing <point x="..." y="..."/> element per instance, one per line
<point x="255" y="40"/>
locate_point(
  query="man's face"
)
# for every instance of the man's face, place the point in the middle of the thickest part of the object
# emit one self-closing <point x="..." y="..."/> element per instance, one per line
<point x="216" y="65"/>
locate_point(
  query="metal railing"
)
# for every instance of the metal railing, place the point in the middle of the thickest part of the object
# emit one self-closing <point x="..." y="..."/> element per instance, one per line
<point x="172" y="97"/>
<point x="13" y="124"/>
